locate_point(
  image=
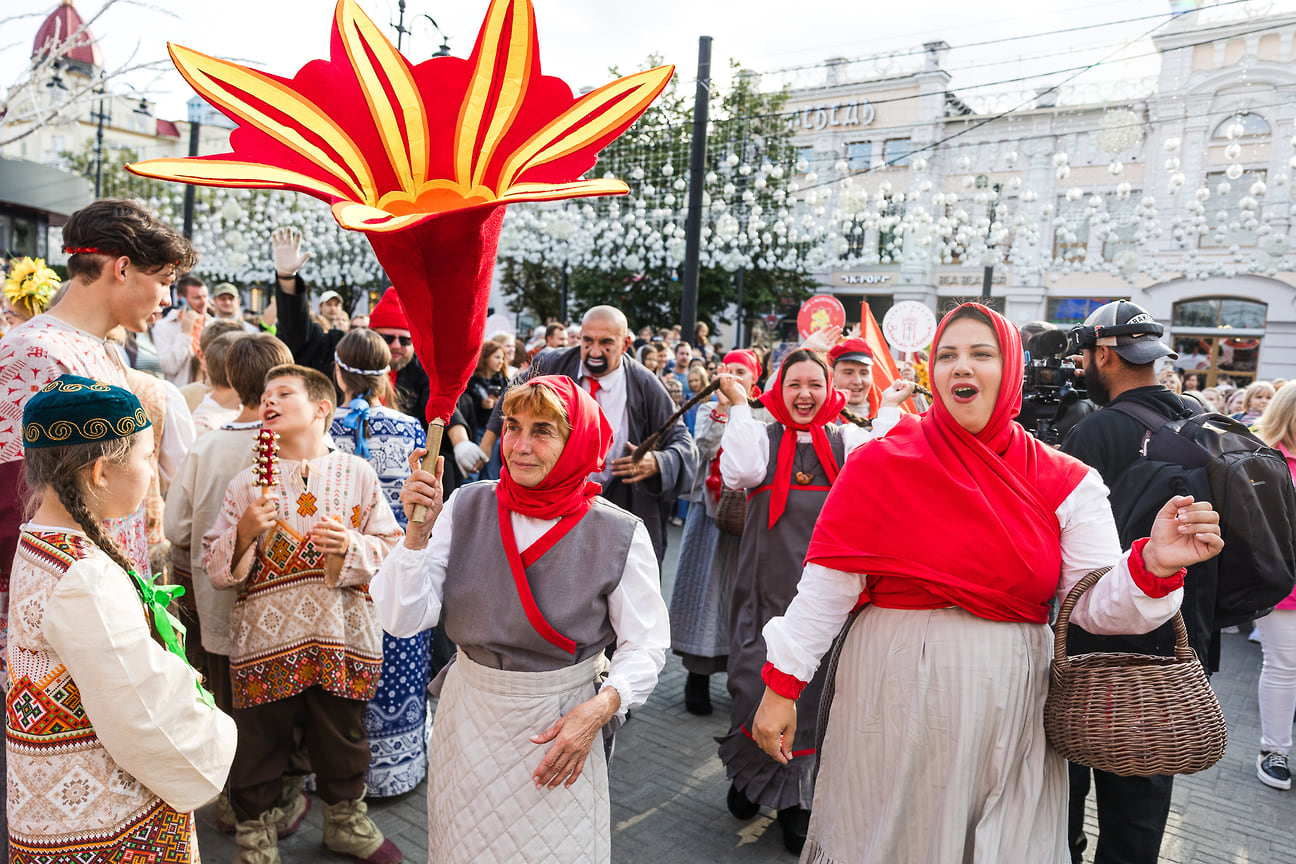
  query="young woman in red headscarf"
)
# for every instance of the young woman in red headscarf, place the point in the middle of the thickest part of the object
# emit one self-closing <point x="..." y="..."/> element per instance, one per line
<point x="534" y="576"/>
<point x="934" y="750"/>
<point x="787" y="466"/>
<point x="699" y="606"/>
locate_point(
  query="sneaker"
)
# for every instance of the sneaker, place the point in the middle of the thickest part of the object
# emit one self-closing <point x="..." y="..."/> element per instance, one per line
<point x="1271" y="768"/>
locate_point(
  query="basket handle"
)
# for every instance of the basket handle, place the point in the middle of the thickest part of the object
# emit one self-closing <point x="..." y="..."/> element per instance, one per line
<point x="1182" y="650"/>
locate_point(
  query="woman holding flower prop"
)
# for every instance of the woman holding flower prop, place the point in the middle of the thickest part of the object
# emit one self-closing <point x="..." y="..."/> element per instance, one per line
<point x="29" y="286"/>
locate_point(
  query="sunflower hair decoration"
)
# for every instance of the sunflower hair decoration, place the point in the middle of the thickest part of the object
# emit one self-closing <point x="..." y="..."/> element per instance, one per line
<point x="29" y="286"/>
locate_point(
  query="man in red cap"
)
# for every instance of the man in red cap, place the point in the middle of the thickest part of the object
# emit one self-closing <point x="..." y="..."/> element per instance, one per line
<point x="852" y="365"/>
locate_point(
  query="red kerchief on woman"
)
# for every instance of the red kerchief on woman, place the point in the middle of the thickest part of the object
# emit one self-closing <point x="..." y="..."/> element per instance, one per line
<point x="566" y="490"/>
<point x="996" y="518"/>
<point x="743" y="357"/>
<point x="833" y="403"/>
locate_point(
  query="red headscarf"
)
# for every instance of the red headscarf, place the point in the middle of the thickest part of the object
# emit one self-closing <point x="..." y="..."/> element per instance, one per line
<point x="566" y="490"/>
<point x="743" y="357"/>
<point x="833" y="403"/>
<point x="991" y="498"/>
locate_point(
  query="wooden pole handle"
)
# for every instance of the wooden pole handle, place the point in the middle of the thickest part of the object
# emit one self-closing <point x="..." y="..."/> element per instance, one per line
<point x="434" y="432"/>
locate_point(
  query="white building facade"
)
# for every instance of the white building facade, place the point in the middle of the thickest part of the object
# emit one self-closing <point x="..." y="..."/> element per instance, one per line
<point x="1175" y="196"/>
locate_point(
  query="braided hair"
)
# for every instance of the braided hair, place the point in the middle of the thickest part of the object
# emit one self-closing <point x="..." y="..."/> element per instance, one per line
<point x="60" y="469"/>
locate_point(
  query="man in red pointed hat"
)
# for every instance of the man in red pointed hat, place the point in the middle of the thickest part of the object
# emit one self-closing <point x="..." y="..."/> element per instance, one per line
<point x="312" y="346"/>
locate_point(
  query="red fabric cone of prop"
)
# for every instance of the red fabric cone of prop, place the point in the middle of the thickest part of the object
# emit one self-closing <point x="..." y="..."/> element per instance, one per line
<point x="421" y="158"/>
<point x="442" y="272"/>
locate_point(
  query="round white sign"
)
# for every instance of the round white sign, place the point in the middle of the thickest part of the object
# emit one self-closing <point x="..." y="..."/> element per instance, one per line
<point x="909" y="325"/>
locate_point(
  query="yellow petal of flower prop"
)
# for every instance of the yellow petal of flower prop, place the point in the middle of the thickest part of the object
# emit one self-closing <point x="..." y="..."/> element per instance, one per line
<point x="29" y="285"/>
<point x="390" y="145"/>
<point x="421" y="158"/>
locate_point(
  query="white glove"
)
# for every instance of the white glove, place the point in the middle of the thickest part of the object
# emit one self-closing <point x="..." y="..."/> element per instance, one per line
<point x="469" y="457"/>
<point x="285" y="245"/>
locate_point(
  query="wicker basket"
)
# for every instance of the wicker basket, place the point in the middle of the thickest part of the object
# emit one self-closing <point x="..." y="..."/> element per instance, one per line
<point x="731" y="511"/>
<point x="1135" y="715"/>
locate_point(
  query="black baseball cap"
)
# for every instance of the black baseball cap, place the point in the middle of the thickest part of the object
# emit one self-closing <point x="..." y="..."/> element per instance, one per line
<point x="1126" y="327"/>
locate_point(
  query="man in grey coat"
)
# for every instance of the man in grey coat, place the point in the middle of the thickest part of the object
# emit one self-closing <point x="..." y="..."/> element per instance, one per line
<point x="636" y="405"/>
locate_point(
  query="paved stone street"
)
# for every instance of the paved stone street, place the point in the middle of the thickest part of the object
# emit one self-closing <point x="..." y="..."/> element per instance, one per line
<point x="668" y="790"/>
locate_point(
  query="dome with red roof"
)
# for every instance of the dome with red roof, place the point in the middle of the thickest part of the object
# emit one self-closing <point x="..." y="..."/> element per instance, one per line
<point x="81" y="54"/>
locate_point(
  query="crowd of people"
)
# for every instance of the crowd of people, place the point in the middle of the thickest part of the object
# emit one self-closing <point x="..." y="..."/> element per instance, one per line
<point x="236" y="577"/>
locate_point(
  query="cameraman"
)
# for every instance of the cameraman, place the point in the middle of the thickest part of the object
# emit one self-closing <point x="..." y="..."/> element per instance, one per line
<point x="1051" y="404"/>
<point x="1120" y="343"/>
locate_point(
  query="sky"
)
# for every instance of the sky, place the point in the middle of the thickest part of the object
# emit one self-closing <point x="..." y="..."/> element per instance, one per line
<point x="581" y="39"/>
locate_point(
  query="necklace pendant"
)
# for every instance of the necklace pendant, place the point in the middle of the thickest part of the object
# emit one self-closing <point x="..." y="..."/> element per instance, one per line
<point x="803" y="479"/>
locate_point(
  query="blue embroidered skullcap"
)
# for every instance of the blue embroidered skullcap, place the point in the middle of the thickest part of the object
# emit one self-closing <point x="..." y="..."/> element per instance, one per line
<point x="75" y="410"/>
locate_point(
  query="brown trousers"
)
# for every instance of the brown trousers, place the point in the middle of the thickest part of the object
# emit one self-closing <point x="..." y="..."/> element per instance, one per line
<point x="333" y="732"/>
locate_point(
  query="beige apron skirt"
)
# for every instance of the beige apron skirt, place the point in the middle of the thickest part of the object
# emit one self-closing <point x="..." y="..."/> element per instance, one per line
<point x="483" y="806"/>
<point x="934" y="751"/>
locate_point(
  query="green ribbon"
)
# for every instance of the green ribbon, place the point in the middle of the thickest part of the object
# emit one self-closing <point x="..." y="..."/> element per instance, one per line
<point x="172" y="630"/>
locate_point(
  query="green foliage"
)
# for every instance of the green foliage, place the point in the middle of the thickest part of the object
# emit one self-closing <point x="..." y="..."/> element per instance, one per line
<point x="115" y="180"/>
<point x="629" y="251"/>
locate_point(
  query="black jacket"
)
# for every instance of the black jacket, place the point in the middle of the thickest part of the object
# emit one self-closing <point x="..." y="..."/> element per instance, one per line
<point x="1111" y="441"/>
<point x="648" y="407"/>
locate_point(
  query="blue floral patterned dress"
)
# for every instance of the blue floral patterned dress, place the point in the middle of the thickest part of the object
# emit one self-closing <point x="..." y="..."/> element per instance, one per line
<point x="396" y="718"/>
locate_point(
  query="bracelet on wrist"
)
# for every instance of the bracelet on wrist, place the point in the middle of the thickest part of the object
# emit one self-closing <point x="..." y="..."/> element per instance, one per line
<point x="292" y="278"/>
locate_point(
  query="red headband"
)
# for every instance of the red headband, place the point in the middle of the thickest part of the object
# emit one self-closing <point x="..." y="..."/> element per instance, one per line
<point x="86" y="250"/>
<point x="746" y="358"/>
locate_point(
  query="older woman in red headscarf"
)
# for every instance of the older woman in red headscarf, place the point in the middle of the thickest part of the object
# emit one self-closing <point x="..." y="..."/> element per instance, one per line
<point x="534" y="577"/>
<point x="787" y="466"/>
<point x="954" y="533"/>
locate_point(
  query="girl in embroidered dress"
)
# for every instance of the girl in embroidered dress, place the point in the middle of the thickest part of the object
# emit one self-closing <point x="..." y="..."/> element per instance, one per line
<point x="537" y="576"/>
<point x="934" y="751"/>
<point x="371" y="425"/>
<point x="786" y="466"/>
<point x="112" y="742"/>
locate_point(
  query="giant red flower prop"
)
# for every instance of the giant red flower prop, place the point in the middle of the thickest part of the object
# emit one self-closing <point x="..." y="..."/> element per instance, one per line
<point x="421" y="158"/>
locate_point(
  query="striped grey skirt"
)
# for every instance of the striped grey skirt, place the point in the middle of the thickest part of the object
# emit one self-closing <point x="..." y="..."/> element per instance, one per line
<point x="934" y="751"/>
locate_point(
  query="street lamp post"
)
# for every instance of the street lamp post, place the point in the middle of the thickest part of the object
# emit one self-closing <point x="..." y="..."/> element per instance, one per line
<point x="99" y="117"/>
<point x="195" y="124"/>
<point x="399" y="26"/>
<point x="444" y="50"/>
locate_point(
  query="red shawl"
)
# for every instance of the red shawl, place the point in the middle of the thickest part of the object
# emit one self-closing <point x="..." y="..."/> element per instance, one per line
<point x="987" y="502"/>
<point x="566" y="490"/>
<point x="833" y="403"/>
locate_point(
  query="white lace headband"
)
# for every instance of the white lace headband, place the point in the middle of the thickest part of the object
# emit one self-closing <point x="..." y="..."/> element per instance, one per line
<point x="354" y="371"/>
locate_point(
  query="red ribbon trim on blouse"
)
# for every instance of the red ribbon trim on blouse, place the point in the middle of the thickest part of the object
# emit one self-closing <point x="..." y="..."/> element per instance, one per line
<point x="519" y="563"/>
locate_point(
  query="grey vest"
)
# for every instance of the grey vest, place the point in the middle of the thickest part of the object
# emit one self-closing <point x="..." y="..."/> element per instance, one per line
<point x="777" y="554"/>
<point x="483" y="613"/>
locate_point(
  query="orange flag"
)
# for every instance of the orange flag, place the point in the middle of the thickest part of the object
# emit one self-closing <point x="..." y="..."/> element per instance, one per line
<point x="884" y="366"/>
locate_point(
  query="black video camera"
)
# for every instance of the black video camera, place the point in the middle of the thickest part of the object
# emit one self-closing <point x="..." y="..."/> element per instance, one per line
<point x="1050" y="386"/>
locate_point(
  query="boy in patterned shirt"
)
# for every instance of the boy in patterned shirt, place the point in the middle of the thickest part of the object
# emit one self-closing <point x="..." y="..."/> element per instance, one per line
<point x="306" y="644"/>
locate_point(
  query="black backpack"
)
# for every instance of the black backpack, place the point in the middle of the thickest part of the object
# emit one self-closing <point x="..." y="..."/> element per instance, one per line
<point x="1215" y="458"/>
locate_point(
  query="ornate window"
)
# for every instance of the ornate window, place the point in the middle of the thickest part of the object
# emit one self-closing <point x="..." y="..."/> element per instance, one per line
<point x="1253" y="126"/>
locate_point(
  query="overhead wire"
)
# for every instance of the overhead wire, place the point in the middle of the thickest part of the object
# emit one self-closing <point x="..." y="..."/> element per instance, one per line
<point x="1077" y="70"/>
